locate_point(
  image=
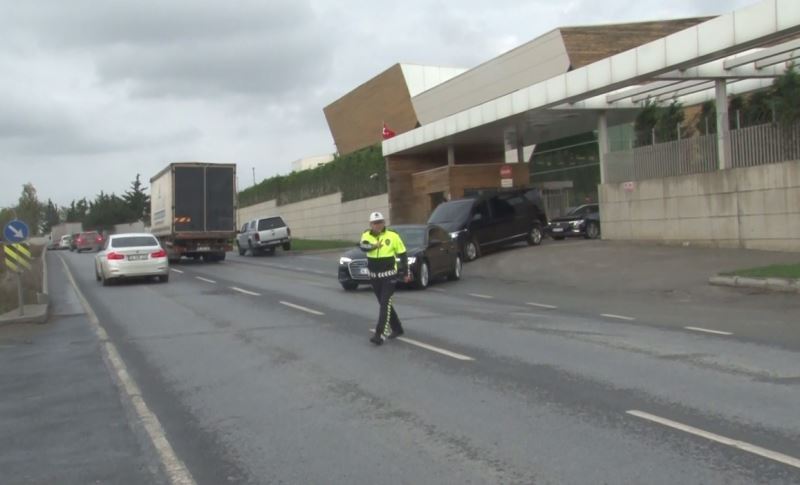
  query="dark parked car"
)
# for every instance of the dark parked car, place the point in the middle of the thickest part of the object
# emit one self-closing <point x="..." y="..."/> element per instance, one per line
<point x="481" y="222"/>
<point x="582" y="221"/>
<point x="432" y="254"/>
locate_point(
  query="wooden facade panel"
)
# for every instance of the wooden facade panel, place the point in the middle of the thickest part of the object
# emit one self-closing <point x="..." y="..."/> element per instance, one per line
<point x="356" y="119"/>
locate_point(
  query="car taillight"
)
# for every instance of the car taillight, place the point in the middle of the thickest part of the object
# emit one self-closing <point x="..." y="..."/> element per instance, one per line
<point x="99" y="238"/>
<point x="79" y="240"/>
<point x="115" y="256"/>
<point x="159" y="254"/>
<point x="257" y="237"/>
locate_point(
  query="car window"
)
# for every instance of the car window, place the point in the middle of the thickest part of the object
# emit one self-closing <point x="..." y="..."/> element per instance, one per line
<point x="501" y="209"/>
<point x="270" y="223"/>
<point x="253" y="225"/>
<point x="134" y="241"/>
<point x="244" y="227"/>
<point x="412" y="237"/>
<point x="456" y="211"/>
<point x="438" y="234"/>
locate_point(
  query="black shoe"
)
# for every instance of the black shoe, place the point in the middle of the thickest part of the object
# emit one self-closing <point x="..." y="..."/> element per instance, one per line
<point x="377" y="340"/>
<point x="396" y="333"/>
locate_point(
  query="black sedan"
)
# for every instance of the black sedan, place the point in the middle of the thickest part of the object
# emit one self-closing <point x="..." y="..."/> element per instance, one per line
<point x="582" y="221"/>
<point x="432" y="254"/>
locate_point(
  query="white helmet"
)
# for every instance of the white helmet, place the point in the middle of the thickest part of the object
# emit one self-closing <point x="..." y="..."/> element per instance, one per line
<point x="376" y="217"/>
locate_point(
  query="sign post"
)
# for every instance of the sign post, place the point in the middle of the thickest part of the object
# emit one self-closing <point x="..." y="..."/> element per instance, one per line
<point x="17" y="255"/>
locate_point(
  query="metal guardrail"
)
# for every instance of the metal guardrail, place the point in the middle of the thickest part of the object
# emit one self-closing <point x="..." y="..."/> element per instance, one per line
<point x="751" y="146"/>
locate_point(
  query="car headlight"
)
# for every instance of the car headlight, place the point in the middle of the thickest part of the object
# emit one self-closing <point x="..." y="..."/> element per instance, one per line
<point x="412" y="259"/>
<point x="577" y="223"/>
<point x="345" y="260"/>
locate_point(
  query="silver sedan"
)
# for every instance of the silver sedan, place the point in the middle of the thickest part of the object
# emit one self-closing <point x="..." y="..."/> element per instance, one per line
<point x="131" y="256"/>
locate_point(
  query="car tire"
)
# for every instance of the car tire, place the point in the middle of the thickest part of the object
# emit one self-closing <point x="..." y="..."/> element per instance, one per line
<point x="287" y="247"/>
<point x="270" y="251"/>
<point x="456" y="274"/>
<point x="349" y="285"/>
<point x="423" y="279"/>
<point x="107" y="282"/>
<point x="242" y="251"/>
<point x="251" y="248"/>
<point x="97" y="275"/>
<point x="472" y="250"/>
<point x="535" y="236"/>
<point x="592" y="230"/>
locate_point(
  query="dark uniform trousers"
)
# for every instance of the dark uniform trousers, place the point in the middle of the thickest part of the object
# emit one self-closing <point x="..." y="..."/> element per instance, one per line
<point x="387" y="317"/>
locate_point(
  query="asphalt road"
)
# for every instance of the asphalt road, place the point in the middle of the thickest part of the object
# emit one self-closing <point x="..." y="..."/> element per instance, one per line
<point x="260" y="371"/>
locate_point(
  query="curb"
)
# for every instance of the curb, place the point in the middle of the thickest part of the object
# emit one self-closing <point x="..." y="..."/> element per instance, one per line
<point x="780" y="285"/>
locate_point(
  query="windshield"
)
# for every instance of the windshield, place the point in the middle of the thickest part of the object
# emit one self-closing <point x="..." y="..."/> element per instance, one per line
<point x="451" y="212"/>
<point x="133" y="242"/>
<point x="412" y="237"/>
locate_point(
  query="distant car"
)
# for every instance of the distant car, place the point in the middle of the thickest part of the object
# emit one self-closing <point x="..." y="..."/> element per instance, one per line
<point x="432" y="254"/>
<point x="582" y="221"/>
<point x="127" y="256"/>
<point x="65" y="242"/>
<point x="479" y="223"/>
<point x="73" y="242"/>
<point x="264" y="235"/>
<point x="88" y="241"/>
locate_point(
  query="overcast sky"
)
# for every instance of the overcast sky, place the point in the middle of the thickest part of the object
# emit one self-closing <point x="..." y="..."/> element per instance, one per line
<point x="93" y="92"/>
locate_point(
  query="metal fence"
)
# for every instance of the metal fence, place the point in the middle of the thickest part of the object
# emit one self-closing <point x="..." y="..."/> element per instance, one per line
<point x="751" y="146"/>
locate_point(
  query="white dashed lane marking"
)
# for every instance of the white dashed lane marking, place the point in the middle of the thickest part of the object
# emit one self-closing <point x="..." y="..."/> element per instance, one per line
<point x="483" y="297"/>
<point x="706" y="330"/>
<point x="301" y="308"/>
<point x="542" y="305"/>
<point x="206" y="280"/>
<point x="618" y="317"/>
<point x="432" y="348"/>
<point x="246" y="292"/>
<point x="176" y="270"/>
<point x="741" y="445"/>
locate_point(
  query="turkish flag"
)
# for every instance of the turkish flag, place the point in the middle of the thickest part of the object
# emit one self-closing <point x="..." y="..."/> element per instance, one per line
<point x="387" y="133"/>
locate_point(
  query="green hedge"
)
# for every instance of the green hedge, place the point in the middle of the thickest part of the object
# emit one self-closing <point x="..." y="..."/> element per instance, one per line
<point x="357" y="175"/>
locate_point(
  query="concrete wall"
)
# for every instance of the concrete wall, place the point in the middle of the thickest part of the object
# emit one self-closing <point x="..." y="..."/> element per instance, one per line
<point x="753" y="208"/>
<point x="321" y="218"/>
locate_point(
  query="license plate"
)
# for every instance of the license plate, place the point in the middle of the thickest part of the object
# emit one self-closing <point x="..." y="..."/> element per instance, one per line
<point x="204" y="248"/>
<point x="363" y="271"/>
<point x="137" y="257"/>
<point x="558" y="229"/>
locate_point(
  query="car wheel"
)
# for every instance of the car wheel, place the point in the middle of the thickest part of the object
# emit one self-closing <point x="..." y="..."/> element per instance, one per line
<point x="592" y="230"/>
<point x="241" y="249"/>
<point x="349" y="285"/>
<point x="252" y="249"/>
<point x="106" y="281"/>
<point x="287" y="247"/>
<point x="535" y="236"/>
<point x="424" y="278"/>
<point x="471" y="251"/>
<point x="270" y="251"/>
<point x="456" y="274"/>
<point x="96" y="274"/>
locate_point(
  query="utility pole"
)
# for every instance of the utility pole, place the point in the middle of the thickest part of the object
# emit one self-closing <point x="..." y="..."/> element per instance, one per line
<point x="254" y="175"/>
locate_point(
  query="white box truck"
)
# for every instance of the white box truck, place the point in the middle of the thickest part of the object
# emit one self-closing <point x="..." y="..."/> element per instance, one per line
<point x="193" y="210"/>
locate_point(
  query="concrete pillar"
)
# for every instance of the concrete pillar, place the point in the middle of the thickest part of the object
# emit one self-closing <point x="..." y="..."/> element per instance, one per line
<point x="451" y="155"/>
<point x="602" y="144"/>
<point x="723" y="126"/>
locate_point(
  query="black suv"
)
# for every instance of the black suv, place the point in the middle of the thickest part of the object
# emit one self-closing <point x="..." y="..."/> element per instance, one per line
<point x="481" y="222"/>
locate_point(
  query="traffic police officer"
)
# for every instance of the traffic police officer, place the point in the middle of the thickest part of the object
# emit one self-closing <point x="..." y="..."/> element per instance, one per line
<point x="384" y="249"/>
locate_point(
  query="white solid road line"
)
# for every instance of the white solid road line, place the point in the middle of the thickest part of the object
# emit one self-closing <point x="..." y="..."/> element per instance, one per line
<point x="542" y="305"/>
<point x="176" y="270"/>
<point x="206" y="280"/>
<point x="438" y="350"/>
<point x="175" y="469"/>
<point x="478" y="295"/>
<point x="742" y="445"/>
<point x="706" y="330"/>
<point x="301" y="308"/>
<point x="618" y="317"/>
<point x="245" y="291"/>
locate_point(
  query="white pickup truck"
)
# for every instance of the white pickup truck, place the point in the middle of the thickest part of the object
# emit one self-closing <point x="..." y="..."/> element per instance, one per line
<point x="263" y="235"/>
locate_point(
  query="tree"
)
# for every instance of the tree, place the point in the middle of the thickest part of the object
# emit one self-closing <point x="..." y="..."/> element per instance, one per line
<point x="661" y="122"/>
<point x="138" y="201"/>
<point x="77" y="211"/>
<point x="786" y="95"/>
<point x="52" y="216"/>
<point x="645" y="124"/>
<point x="106" y="211"/>
<point x="29" y="209"/>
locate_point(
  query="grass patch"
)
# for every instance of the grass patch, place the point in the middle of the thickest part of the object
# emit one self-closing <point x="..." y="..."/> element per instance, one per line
<point x="791" y="271"/>
<point x="320" y="245"/>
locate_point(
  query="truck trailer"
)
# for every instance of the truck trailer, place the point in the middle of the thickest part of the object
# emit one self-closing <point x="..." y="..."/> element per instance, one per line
<point x="193" y="210"/>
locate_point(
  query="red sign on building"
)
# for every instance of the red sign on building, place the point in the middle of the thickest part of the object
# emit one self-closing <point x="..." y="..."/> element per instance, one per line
<point x="506" y="172"/>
